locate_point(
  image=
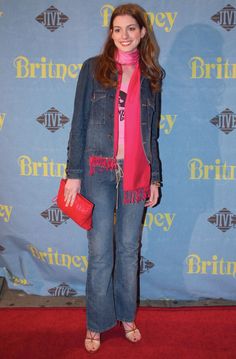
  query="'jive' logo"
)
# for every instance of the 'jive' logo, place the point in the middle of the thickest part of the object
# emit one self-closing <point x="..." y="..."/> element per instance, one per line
<point x="62" y="290"/>
<point x="225" y="121"/>
<point x="52" y="18"/>
<point x="54" y="215"/>
<point x="224" y="220"/>
<point x="53" y="119"/>
<point x="226" y="17"/>
<point x="145" y="265"/>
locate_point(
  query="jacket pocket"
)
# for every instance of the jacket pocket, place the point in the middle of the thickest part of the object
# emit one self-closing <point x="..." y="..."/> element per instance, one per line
<point x="98" y="106"/>
<point x="150" y="108"/>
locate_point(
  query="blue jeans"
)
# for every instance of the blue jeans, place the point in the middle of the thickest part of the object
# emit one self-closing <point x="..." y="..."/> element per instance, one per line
<point x="113" y="253"/>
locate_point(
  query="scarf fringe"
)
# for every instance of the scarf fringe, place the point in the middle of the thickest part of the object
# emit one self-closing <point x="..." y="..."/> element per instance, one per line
<point x="137" y="195"/>
<point x="99" y="164"/>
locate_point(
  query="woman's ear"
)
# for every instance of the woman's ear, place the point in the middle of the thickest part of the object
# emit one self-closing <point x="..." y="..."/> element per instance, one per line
<point x="111" y="33"/>
<point x="143" y="32"/>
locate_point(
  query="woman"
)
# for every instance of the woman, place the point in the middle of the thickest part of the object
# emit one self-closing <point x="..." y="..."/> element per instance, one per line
<point x="113" y="160"/>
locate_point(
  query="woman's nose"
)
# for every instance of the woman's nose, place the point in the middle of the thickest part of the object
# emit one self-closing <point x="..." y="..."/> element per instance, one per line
<point x="124" y="34"/>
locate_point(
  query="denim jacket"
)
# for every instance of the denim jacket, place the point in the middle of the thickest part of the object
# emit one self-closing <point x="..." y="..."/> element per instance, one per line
<point x="92" y="129"/>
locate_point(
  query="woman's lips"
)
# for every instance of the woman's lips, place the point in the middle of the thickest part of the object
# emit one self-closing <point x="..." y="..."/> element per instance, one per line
<point x="125" y="43"/>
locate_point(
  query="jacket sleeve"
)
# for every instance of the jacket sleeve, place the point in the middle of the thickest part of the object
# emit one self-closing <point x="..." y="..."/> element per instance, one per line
<point x="76" y="143"/>
<point x="156" y="163"/>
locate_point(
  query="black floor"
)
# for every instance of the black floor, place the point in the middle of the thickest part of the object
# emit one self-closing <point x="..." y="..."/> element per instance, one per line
<point x="18" y="298"/>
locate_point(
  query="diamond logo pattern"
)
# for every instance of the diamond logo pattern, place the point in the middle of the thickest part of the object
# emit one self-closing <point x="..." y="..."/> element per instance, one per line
<point x="225" y="121"/>
<point x="54" y="215"/>
<point x="145" y="265"/>
<point x="224" y="220"/>
<point x="226" y="17"/>
<point x="53" y="119"/>
<point x="63" y="290"/>
<point x="52" y="18"/>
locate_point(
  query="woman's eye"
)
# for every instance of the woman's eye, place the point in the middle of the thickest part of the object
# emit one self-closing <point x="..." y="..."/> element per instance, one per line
<point x="132" y="28"/>
<point x="116" y="30"/>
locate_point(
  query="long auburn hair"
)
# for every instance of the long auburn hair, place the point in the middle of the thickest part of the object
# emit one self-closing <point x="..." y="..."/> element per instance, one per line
<point x="106" y="69"/>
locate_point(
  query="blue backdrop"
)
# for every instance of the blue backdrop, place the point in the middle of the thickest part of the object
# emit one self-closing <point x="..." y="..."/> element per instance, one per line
<point x="188" y="244"/>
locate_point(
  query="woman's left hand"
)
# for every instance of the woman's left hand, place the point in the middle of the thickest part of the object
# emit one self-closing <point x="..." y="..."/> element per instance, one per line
<point x="154" y="195"/>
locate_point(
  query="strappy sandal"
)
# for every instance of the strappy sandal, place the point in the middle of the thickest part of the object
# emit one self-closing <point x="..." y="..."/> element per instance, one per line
<point x="91" y="343"/>
<point x="133" y="333"/>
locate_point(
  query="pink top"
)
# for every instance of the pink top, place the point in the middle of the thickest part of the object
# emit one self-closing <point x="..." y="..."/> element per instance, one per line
<point x="128" y="59"/>
<point x="121" y="109"/>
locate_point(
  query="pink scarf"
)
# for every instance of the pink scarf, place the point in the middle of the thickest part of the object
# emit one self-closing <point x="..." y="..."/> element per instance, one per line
<point x="136" y="181"/>
<point x="127" y="58"/>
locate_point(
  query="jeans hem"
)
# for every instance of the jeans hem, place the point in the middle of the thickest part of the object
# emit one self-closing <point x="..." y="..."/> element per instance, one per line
<point x="102" y="330"/>
<point x="126" y="320"/>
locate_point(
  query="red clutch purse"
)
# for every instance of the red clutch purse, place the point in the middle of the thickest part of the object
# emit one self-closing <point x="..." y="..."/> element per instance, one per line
<point x="80" y="212"/>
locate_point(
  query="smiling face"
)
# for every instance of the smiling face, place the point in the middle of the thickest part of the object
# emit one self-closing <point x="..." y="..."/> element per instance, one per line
<point x="126" y="33"/>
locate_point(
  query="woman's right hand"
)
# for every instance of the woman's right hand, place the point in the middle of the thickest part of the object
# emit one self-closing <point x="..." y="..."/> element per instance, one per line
<point x="72" y="187"/>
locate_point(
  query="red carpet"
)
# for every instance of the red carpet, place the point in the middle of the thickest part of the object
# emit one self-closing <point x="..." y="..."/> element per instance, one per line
<point x="168" y="333"/>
